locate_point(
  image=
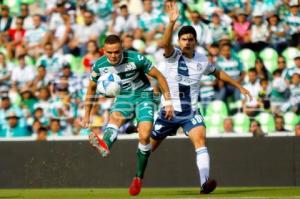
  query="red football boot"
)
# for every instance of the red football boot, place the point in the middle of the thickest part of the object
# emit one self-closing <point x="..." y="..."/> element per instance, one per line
<point x="135" y="186"/>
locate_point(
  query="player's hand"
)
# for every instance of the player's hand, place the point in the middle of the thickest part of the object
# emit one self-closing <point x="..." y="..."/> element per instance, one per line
<point x="246" y="93"/>
<point x="85" y="122"/>
<point x="169" y="112"/>
<point x="173" y="11"/>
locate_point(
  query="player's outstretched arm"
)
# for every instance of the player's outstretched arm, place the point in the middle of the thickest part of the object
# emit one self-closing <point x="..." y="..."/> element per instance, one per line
<point x="226" y="78"/>
<point x="173" y="12"/>
<point x="88" y="103"/>
<point x="165" y="91"/>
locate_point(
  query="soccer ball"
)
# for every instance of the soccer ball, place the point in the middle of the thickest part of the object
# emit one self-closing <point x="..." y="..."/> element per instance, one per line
<point x="109" y="85"/>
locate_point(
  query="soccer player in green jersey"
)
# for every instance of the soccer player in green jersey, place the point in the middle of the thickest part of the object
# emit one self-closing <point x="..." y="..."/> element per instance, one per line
<point x="135" y="99"/>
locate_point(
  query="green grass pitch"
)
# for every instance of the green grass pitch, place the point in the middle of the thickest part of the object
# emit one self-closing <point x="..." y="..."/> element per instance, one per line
<point x="155" y="193"/>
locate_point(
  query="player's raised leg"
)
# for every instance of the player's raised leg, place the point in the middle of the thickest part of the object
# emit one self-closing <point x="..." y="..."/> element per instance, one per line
<point x="197" y="136"/>
<point x="110" y="134"/>
<point x="143" y="153"/>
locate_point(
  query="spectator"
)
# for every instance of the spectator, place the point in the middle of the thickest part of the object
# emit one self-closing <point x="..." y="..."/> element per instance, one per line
<point x="149" y="20"/>
<point x="259" y="33"/>
<point x="282" y="64"/>
<point x="28" y="100"/>
<point x="207" y="84"/>
<point x="43" y="96"/>
<point x="55" y="129"/>
<point x="296" y="69"/>
<point x="255" y="129"/>
<point x="36" y="37"/>
<point x="261" y="70"/>
<point x="25" y="15"/>
<point x="230" y="6"/>
<point x="5" y="19"/>
<point x="204" y="35"/>
<point x="127" y="41"/>
<point x="279" y="124"/>
<point x="241" y="28"/>
<point x="217" y="28"/>
<point x="297" y="129"/>
<point x="228" y="125"/>
<point x="251" y="108"/>
<point x="277" y="37"/>
<point x="5" y="73"/>
<point x="293" y="103"/>
<point x="93" y="53"/>
<point x="42" y="134"/>
<point x="279" y="91"/>
<point x="124" y="22"/>
<point x="41" y="79"/>
<point x="14" y="127"/>
<point x="232" y="65"/>
<point x="62" y="34"/>
<point x="16" y="37"/>
<point x="19" y="80"/>
<point x="264" y="94"/>
<point x="56" y="19"/>
<point x="50" y="60"/>
<point x="90" y="30"/>
<point x="292" y="19"/>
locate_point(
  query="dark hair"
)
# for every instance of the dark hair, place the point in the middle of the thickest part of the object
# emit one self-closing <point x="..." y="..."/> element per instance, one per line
<point x="112" y="39"/>
<point x="257" y="122"/>
<point x="263" y="80"/>
<point x="225" y="44"/>
<point x="252" y="70"/>
<point x="187" y="30"/>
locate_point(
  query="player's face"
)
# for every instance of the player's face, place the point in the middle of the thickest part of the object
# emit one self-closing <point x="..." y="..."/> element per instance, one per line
<point x="113" y="52"/>
<point x="187" y="43"/>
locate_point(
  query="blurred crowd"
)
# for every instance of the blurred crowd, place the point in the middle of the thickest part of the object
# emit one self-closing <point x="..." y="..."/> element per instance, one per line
<point x="47" y="49"/>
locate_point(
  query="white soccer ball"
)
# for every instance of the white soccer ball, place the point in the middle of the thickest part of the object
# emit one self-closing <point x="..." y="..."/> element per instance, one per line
<point x="109" y="85"/>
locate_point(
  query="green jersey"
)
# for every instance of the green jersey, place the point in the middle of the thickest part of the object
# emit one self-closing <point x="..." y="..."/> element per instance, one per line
<point x="132" y="70"/>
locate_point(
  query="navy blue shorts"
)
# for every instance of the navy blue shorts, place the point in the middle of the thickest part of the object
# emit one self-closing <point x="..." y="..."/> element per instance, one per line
<point x="163" y="127"/>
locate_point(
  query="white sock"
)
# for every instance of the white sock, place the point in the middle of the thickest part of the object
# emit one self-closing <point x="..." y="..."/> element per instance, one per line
<point x="202" y="158"/>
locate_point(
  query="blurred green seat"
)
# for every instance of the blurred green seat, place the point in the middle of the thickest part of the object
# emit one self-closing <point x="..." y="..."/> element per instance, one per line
<point x="289" y="54"/>
<point x="76" y="63"/>
<point x="290" y="120"/>
<point x="214" y="123"/>
<point x="267" y="122"/>
<point x="269" y="57"/>
<point x="241" y="123"/>
<point x="218" y="107"/>
<point x="247" y="57"/>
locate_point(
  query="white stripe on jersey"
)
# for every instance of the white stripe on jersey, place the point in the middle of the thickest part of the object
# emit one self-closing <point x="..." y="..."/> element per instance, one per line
<point x="197" y="66"/>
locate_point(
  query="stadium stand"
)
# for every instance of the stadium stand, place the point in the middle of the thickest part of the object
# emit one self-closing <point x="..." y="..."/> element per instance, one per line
<point x="53" y="80"/>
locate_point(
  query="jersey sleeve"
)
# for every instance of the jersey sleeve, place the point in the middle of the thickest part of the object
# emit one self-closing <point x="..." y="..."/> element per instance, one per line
<point x="95" y="73"/>
<point x="209" y="68"/>
<point x="174" y="56"/>
<point x="144" y="63"/>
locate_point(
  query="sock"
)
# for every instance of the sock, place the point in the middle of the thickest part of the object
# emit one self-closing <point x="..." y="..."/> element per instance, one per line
<point x="203" y="164"/>
<point x="110" y="134"/>
<point x="143" y="153"/>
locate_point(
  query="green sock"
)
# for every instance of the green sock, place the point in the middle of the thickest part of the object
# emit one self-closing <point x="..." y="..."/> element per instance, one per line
<point x="142" y="159"/>
<point x="110" y="135"/>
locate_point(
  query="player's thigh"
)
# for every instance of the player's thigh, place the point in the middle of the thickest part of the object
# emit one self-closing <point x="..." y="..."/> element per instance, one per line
<point x="116" y="118"/>
<point x="145" y="111"/>
<point x="163" y="128"/>
<point x="155" y="143"/>
<point x="124" y="107"/>
<point x="144" y="130"/>
<point x="194" y="127"/>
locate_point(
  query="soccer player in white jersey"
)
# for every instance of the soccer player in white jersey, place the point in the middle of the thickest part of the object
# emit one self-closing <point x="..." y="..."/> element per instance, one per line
<point x="184" y="68"/>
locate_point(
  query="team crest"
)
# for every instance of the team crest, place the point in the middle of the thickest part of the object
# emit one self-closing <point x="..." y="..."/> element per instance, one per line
<point x="199" y="66"/>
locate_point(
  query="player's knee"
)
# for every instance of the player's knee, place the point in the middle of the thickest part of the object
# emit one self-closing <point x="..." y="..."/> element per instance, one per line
<point x="144" y="138"/>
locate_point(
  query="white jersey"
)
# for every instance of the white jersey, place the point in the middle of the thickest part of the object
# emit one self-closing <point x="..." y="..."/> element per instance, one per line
<point x="183" y="76"/>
